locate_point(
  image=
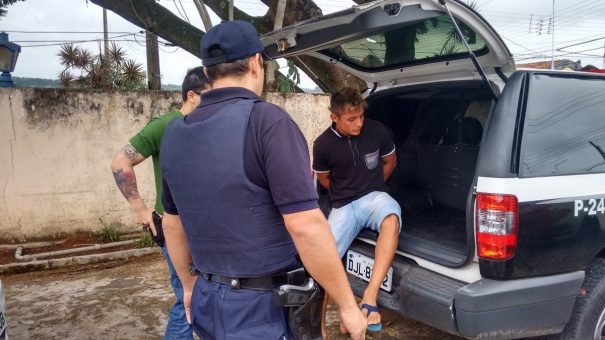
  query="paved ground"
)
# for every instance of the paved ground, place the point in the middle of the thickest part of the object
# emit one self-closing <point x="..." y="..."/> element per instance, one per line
<point x="123" y="301"/>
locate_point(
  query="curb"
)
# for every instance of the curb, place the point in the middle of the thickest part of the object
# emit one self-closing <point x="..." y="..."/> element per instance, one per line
<point x="15" y="268"/>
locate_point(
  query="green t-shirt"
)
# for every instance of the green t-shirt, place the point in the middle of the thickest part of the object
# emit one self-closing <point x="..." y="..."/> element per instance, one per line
<point x="147" y="142"/>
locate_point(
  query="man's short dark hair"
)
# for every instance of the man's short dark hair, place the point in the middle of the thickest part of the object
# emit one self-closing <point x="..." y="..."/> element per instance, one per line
<point x="195" y="80"/>
<point x="233" y="69"/>
<point x="344" y="99"/>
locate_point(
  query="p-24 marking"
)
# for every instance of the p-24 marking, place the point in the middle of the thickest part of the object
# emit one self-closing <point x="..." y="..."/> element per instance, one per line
<point x="591" y="207"/>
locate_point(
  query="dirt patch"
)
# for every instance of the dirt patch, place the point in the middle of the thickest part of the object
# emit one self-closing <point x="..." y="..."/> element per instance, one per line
<point x="128" y="300"/>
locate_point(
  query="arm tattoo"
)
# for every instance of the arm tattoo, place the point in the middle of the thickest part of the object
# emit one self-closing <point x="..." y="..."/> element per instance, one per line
<point x="127" y="183"/>
<point x="130" y="152"/>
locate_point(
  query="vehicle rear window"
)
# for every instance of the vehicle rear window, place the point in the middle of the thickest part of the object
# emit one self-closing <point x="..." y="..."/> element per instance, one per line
<point x="564" y="130"/>
<point x="424" y="41"/>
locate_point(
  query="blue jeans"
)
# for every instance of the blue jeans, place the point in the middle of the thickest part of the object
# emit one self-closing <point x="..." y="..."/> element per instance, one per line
<point x="178" y="327"/>
<point x="366" y="212"/>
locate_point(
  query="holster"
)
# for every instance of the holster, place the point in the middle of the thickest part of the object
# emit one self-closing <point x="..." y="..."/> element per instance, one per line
<point x="305" y="303"/>
<point x="159" y="237"/>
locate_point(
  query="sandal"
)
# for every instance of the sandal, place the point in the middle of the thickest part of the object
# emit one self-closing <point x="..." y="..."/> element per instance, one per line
<point x="373" y="327"/>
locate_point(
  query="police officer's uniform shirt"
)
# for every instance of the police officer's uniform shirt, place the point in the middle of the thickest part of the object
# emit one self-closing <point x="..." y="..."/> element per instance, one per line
<point x="276" y="156"/>
<point x="354" y="162"/>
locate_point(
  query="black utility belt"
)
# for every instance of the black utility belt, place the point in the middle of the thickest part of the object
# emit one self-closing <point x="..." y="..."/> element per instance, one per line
<point x="255" y="283"/>
<point x="269" y="282"/>
<point x="294" y="290"/>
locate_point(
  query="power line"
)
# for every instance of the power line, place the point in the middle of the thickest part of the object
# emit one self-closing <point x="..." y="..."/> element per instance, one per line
<point x="184" y="16"/>
<point x="75" y="42"/>
<point x="67" y="40"/>
<point x="113" y="39"/>
<point x="70" y="32"/>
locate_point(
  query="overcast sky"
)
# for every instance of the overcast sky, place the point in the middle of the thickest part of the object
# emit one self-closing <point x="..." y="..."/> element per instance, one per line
<point x="579" y="31"/>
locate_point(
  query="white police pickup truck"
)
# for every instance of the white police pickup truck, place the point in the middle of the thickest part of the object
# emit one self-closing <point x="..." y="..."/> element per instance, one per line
<point x="500" y="173"/>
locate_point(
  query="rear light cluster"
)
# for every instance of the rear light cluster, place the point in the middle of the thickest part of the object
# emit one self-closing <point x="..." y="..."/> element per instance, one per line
<point x="497" y="223"/>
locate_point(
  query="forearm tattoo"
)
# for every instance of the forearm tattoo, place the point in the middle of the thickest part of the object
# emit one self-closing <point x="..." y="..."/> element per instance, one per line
<point x="130" y="152"/>
<point x="127" y="183"/>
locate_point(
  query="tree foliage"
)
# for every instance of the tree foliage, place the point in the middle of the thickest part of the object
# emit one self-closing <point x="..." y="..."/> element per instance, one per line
<point x="292" y="78"/>
<point x="83" y="69"/>
<point x="4" y="3"/>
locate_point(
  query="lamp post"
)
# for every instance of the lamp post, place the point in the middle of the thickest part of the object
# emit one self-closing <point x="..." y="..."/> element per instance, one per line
<point x="9" y="52"/>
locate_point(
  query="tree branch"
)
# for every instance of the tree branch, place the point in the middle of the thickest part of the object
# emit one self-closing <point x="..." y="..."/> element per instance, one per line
<point x="150" y="15"/>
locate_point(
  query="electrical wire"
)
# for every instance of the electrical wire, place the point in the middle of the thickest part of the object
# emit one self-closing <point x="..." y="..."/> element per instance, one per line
<point x="70" y="32"/>
<point x="28" y="41"/>
<point x="184" y="12"/>
<point x="183" y="16"/>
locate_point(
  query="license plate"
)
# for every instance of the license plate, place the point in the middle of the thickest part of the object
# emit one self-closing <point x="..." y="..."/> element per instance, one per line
<point x="361" y="266"/>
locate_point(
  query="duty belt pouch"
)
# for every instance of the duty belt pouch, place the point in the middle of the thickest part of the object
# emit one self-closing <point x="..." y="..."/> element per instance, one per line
<point x="157" y="221"/>
<point x="305" y="320"/>
<point x="304" y="302"/>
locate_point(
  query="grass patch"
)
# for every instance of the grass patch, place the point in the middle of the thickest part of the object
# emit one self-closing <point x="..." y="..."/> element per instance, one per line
<point x="144" y="241"/>
<point x="109" y="232"/>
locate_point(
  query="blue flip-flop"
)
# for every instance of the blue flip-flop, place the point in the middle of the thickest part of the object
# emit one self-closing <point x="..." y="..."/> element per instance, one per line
<point x="373" y="327"/>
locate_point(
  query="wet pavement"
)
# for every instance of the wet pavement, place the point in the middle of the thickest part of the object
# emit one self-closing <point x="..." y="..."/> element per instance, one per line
<point x="127" y="300"/>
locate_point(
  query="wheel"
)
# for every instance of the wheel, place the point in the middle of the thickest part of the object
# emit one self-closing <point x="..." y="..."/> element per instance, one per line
<point x="588" y="318"/>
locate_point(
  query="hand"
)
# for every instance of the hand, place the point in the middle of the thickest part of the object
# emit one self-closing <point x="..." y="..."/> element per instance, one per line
<point x="144" y="217"/>
<point x="187" y="303"/>
<point x="353" y="322"/>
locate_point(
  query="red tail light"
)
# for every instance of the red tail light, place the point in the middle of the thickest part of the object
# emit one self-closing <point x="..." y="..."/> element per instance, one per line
<point x="496" y="223"/>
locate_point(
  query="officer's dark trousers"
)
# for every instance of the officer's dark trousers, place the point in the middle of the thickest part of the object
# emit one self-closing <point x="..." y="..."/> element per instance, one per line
<point x="220" y="312"/>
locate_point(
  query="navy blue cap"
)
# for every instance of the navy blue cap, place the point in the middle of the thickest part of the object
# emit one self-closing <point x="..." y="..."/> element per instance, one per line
<point x="229" y="41"/>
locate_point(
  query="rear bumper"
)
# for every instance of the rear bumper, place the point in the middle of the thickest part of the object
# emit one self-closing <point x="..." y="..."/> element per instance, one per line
<point x="517" y="308"/>
<point x="482" y="309"/>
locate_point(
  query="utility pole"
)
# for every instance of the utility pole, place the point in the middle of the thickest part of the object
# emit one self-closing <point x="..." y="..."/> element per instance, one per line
<point x="105" y="34"/>
<point x="552" y="50"/>
<point x="153" y="61"/>
<point x="272" y="64"/>
<point x="231" y="10"/>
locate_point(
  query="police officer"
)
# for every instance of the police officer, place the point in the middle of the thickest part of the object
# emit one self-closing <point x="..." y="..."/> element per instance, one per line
<point x="239" y="201"/>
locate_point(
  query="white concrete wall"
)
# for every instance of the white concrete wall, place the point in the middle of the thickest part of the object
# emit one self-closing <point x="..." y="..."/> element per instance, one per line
<point x="56" y="147"/>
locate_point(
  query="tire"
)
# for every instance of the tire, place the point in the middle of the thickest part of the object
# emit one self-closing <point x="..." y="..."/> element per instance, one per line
<point x="588" y="318"/>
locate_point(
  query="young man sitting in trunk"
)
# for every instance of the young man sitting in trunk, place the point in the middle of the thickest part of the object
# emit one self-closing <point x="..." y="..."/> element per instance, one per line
<point x="353" y="158"/>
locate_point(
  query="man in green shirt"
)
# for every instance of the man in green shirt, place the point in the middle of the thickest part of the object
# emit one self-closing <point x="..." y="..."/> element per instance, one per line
<point x="144" y="144"/>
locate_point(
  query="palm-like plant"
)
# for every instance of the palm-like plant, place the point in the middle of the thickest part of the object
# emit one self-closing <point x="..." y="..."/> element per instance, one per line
<point x="112" y="71"/>
<point x="116" y="54"/>
<point x="66" y="79"/>
<point x="67" y="54"/>
<point x="130" y="75"/>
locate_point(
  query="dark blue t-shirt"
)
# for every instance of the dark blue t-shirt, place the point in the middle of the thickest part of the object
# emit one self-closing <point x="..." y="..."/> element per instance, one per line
<point x="354" y="162"/>
<point x="276" y="156"/>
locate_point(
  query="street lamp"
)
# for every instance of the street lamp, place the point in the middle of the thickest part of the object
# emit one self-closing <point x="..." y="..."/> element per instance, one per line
<point x="8" y="59"/>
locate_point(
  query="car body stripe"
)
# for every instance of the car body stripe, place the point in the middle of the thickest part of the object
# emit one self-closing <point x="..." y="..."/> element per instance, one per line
<point x="545" y="188"/>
